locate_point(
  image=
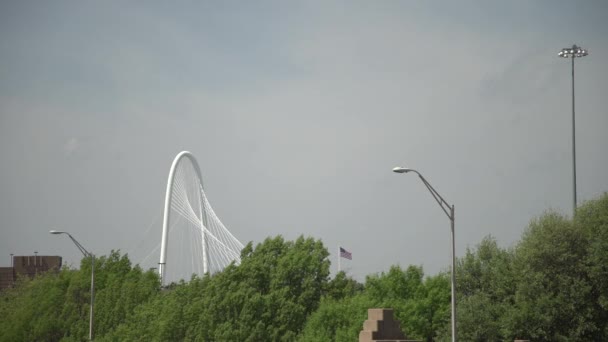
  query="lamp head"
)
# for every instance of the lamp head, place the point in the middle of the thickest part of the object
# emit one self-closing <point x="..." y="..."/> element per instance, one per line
<point x="55" y="232"/>
<point x="400" y="169"/>
<point x="573" y="52"/>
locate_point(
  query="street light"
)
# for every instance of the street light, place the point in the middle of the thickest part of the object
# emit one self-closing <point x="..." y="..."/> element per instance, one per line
<point x="86" y="254"/>
<point x="572" y="53"/>
<point x="449" y="211"/>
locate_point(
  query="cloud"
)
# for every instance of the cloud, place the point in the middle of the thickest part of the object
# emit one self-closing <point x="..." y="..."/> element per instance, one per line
<point x="523" y="79"/>
<point x="71" y="146"/>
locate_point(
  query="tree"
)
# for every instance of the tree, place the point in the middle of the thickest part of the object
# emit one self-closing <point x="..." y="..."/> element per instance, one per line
<point x="337" y="320"/>
<point x="268" y="297"/>
<point x="553" y="291"/>
<point x="342" y="286"/>
<point x="421" y="305"/>
<point x="486" y="286"/>
<point x="549" y="287"/>
<point x="592" y="217"/>
<point x="53" y="307"/>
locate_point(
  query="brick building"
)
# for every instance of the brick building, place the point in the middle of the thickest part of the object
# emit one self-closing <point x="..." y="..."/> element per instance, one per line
<point x="28" y="266"/>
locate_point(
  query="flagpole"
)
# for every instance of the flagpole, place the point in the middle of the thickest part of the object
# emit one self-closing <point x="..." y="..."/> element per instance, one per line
<point x="339" y="256"/>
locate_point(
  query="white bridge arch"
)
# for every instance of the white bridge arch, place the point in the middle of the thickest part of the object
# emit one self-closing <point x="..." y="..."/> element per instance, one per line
<point x="187" y="208"/>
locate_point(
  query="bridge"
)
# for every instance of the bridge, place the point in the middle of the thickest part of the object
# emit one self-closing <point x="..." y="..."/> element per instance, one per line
<point x="194" y="240"/>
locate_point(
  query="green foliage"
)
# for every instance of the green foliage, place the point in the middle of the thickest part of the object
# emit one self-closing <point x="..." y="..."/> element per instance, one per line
<point x="551" y="286"/>
<point x="337" y="320"/>
<point x="552" y="292"/>
<point x="487" y="270"/>
<point x="478" y="318"/>
<point x="429" y="313"/>
<point x="592" y="217"/>
<point x="120" y="288"/>
<point x="55" y="307"/>
<point x="421" y="305"/>
<point x="29" y="312"/>
<point x="486" y="287"/>
<point x="342" y="287"/>
<point x="268" y="297"/>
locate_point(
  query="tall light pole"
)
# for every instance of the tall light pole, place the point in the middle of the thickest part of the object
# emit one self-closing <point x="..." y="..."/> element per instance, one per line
<point x="449" y="211"/>
<point x="572" y="53"/>
<point x="86" y="254"/>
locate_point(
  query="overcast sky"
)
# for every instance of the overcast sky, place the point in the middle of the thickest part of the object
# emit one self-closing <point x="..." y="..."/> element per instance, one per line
<point x="297" y="112"/>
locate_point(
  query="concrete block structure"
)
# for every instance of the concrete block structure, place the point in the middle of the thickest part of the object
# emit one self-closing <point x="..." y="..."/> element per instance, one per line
<point x="381" y="326"/>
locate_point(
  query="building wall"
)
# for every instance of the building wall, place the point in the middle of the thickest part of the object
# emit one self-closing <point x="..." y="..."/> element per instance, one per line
<point x="7" y="277"/>
<point x="29" y="266"/>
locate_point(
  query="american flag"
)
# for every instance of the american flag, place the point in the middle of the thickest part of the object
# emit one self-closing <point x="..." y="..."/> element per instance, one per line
<point x="346" y="254"/>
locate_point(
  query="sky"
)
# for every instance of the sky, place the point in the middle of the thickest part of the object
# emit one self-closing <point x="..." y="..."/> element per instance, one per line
<point x="296" y="113"/>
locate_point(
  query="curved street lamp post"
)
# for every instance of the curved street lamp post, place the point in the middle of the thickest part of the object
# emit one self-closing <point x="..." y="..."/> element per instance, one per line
<point x="449" y="211"/>
<point x="86" y="254"/>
